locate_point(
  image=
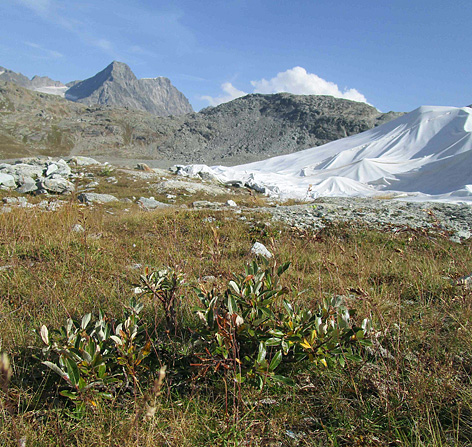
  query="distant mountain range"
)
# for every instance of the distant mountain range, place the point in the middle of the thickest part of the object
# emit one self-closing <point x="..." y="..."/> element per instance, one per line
<point x="116" y="86"/>
<point x="247" y="129"/>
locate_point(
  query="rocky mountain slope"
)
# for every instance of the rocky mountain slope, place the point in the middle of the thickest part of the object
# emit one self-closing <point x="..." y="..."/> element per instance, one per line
<point x="117" y="86"/>
<point x="31" y="84"/>
<point x="246" y="129"/>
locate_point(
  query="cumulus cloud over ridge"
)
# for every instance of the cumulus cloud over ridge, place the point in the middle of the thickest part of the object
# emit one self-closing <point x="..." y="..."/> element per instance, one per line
<point x="299" y="82"/>
<point x="295" y="80"/>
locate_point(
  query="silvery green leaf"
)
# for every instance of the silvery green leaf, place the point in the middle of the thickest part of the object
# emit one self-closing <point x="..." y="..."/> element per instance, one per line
<point x="44" y="334"/>
<point x="116" y="339"/>
<point x="56" y="369"/>
<point x="69" y="326"/>
<point x="86" y="320"/>
<point x="232" y="285"/>
<point x="262" y="353"/>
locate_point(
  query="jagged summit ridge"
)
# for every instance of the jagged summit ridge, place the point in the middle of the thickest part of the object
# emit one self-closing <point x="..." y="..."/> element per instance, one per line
<point x="32" y="84"/>
<point x="117" y="86"/>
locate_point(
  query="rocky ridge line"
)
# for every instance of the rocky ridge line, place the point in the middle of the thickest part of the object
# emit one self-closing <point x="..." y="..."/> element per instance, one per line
<point x="246" y="129"/>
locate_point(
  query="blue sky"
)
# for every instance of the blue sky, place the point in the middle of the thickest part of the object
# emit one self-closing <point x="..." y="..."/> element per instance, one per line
<point x="396" y="54"/>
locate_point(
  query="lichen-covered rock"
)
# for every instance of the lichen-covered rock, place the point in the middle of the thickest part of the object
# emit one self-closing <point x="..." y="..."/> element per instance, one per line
<point x="83" y="161"/>
<point x="150" y="203"/>
<point x="7" y="180"/>
<point x="58" y="185"/>
<point x="26" y="184"/>
<point x="59" y="167"/>
<point x="92" y="197"/>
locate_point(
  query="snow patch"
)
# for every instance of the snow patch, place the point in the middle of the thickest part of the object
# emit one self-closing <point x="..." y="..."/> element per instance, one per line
<point x="52" y="90"/>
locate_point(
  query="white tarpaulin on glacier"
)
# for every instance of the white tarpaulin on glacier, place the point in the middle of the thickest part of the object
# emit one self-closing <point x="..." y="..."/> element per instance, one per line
<point x="423" y="155"/>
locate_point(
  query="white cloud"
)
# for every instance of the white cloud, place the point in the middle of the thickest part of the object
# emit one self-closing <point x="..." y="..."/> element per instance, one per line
<point x="52" y="12"/>
<point x="103" y="44"/>
<point x="296" y="80"/>
<point x="44" y="53"/>
<point x="41" y="7"/>
<point x="231" y="93"/>
<point x="299" y="82"/>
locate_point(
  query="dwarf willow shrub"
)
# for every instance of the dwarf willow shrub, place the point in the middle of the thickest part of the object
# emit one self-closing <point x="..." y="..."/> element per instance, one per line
<point x="252" y="329"/>
<point x="93" y="358"/>
<point x="248" y="332"/>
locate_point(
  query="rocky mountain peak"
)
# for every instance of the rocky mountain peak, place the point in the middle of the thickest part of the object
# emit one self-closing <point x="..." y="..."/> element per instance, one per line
<point x="45" y="81"/>
<point x="16" y="78"/>
<point x="117" y="86"/>
<point x="118" y="71"/>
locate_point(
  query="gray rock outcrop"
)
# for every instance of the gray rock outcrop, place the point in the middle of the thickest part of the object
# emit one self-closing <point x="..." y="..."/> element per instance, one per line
<point x="37" y="175"/>
<point x="117" y="86"/>
<point x="15" y="78"/>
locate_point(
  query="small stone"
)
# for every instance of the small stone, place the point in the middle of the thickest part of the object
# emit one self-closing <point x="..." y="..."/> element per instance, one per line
<point x="143" y="167"/>
<point x="77" y="228"/>
<point x="209" y="278"/>
<point x="11" y="200"/>
<point x="50" y="206"/>
<point x="231" y="203"/>
<point x="206" y="204"/>
<point x="136" y="266"/>
<point x="260" y="250"/>
<point x="3" y="268"/>
<point x="465" y="281"/>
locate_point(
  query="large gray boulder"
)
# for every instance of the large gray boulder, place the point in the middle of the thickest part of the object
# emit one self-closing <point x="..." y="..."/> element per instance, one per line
<point x="57" y="185"/>
<point x="151" y="203"/>
<point x="59" y="167"/>
<point x="80" y="160"/>
<point x="25" y="170"/>
<point x="26" y="184"/>
<point x="7" y="180"/>
<point x="92" y="197"/>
